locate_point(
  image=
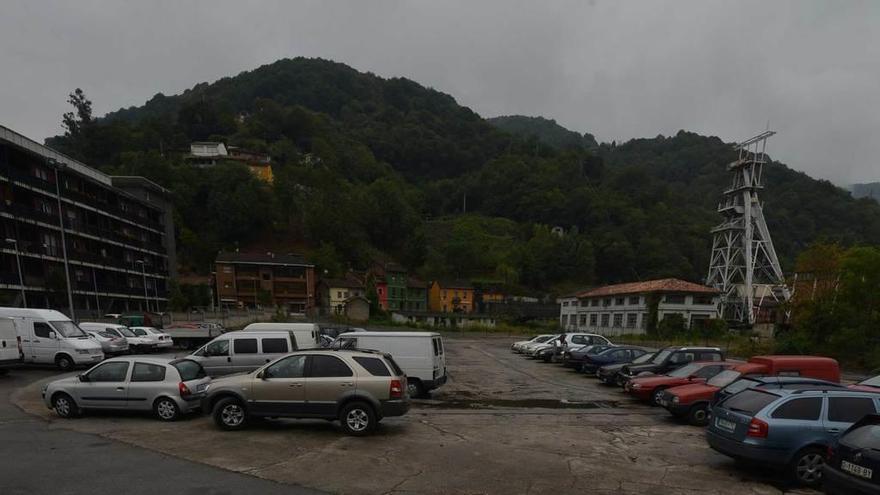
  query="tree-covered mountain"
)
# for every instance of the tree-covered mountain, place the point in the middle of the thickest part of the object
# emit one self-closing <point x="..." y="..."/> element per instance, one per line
<point x="364" y="164"/>
<point x="547" y="131"/>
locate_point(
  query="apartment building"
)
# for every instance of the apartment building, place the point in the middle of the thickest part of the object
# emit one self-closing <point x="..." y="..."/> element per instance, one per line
<point x="70" y="233"/>
<point x="265" y="279"/>
<point x="627" y="308"/>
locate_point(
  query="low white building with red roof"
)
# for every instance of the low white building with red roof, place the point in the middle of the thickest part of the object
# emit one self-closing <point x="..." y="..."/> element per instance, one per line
<point x="627" y="308"/>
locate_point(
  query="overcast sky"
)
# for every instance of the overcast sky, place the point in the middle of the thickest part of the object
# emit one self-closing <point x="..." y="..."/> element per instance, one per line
<point x="616" y="69"/>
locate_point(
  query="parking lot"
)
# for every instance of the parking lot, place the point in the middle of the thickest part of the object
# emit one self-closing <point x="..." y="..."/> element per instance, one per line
<point x="503" y="424"/>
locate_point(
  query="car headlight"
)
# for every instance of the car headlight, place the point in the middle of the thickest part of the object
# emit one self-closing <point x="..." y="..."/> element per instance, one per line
<point x="636" y="386"/>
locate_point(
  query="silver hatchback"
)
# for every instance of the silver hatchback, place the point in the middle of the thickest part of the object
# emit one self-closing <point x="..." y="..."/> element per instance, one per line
<point x="168" y="387"/>
<point x="110" y="344"/>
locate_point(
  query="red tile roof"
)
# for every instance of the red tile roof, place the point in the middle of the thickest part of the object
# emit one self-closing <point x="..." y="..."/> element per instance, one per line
<point x="662" y="285"/>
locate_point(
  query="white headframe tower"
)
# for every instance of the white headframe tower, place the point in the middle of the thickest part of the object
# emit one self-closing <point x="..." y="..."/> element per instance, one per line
<point x="744" y="266"/>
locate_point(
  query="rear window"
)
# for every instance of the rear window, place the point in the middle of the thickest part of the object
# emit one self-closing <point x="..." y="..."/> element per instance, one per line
<point x="807" y="408"/>
<point x="374" y="366"/>
<point x="749" y="401"/>
<point x="849" y="409"/>
<point x="863" y="437"/>
<point x="275" y="346"/>
<point x="436" y="347"/>
<point x="189" y="369"/>
<point x="244" y="346"/>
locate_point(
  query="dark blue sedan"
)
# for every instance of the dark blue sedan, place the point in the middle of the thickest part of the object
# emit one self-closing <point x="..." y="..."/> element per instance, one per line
<point x="612" y="355"/>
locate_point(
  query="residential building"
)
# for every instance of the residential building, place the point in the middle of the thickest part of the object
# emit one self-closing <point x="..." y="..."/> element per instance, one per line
<point x="108" y="239"/>
<point x="334" y="292"/>
<point x="416" y="298"/>
<point x="568" y="309"/>
<point x="396" y="289"/>
<point x="260" y="164"/>
<point x="265" y="279"/>
<point x="451" y="296"/>
<point x="357" y="308"/>
<point x="207" y="154"/>
<point x="627" y="308"/>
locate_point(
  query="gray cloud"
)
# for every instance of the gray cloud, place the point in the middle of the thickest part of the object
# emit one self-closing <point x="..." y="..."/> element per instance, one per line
<point x="616" y="69"/>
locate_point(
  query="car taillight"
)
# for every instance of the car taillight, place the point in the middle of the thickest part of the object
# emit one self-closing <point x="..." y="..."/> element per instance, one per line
<point x="396" y="391"/>
<point x="830" y="452"/>
<point x="184" y="390"/>
<point x="758" y="429"/>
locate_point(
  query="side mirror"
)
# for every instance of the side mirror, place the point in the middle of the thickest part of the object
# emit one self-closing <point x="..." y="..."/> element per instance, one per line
<point x="262" y="375"/>
<point x="53" y="335"/>
<point x="83" y="378"/>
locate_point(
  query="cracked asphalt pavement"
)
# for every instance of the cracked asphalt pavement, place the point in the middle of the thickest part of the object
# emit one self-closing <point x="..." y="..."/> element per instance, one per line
<point x="502" y="424"/>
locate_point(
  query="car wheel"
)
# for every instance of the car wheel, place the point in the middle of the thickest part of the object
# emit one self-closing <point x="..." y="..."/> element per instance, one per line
<point x="807" y="466"/>
<point x="414" y="388"/>
<point x="620" y="380"/>
<point x="698" y="415"/>
<point x="230" y="414"/>
<point x="656" y="396"/>
<point x="64" y="362"/>
<point x="65" y="406"/>
<point x="357" y="418"/>
<point x="166" y="409"/>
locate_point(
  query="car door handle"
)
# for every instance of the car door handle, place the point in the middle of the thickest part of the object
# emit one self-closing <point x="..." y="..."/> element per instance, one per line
<point x="228" y="359"/>
<point x="833" y="430"/>
<point x="295" y="385"/>
<point x="120" y="388"/>
<point x="346" y="384"/>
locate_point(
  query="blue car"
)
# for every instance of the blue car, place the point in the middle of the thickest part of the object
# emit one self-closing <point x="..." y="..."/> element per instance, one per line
<point x="612" y="355"/>
<point x="790" y="429"/>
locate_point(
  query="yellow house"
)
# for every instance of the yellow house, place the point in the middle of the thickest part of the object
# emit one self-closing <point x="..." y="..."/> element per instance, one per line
<point x="451" y="297"/>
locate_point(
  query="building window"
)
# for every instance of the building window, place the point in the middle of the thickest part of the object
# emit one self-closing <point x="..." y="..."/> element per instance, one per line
<point x="620" y="301"/>
<point x="634" y="300"/>
<point x="594" y="320"/>
<point x="631" y="320"/>
<point x="606" y="301"/>
<point x="339" y="294"/>
<point x="582" y="320"/>
<point x="594" y="302"/>
<point x="704" y="300"/>
<point x="618" y="320"/>
<point x="41" y="173"/>
<point x="564" y="303"/>
<point x="674" y="299"/>
<point x="267" y="276"/>
<point x="605" y="319"/>
<point x="227" y="269"/>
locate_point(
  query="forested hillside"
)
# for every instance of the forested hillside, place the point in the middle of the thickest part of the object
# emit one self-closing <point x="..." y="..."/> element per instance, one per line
<point x="547" y="131"/>
<point x="365" y="165"/>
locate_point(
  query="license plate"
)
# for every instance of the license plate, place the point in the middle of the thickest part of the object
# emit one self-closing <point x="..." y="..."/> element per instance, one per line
<point x="728" y="426"/>
<point x="857" y="470"/>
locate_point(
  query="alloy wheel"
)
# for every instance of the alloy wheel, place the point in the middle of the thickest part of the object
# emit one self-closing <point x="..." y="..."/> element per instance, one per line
<point x="166" y="409"/>
<point x="357" y="420"/>
<point x="62" y="406"/>
<point x="232" y="415"/>
<point x="809" y="467"/>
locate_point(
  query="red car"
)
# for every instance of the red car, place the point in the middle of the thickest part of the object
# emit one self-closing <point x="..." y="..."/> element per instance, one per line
<point x="692" y="401"/>
<point x="650" y="388"/>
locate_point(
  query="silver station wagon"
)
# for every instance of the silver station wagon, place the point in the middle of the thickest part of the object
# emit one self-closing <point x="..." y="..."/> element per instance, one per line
<point x="168" y="387"/>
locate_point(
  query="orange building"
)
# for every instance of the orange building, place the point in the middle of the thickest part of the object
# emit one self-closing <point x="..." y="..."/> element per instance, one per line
<point x="257" y="279"/>
<point x="454" y="296"/>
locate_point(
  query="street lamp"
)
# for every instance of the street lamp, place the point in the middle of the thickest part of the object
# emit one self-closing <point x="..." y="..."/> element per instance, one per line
<point x="56" y="166"/>
<point x="144" y="273"/>
<point x="18" y="263"/>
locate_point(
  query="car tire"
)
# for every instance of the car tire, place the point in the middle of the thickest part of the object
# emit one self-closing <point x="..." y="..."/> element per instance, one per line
<point x="230" y="414"/>
<point x="64" y="362"/>
<point x="64" y="406"/>
<point x="357" y="418"/>
<point x="806" y="467"/>
<point x="698" y="415"/>
<point x="166" y="409"/>
<point x="414" y="388"/>
<point x="655" y="396"/>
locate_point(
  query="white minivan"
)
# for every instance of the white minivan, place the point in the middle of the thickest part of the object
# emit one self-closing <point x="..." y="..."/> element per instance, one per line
<point x="240" y="351"/>
<point x="419" y="354"/>
<point x="49" y="337"/>
<point x="10" y="345"/>
<point x="307" y="334"/>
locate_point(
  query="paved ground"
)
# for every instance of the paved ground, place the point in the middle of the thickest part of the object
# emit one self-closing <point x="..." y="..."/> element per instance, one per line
<point x="494" y="428"/>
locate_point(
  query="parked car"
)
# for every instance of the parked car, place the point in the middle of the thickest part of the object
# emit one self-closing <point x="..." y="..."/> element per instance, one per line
<point x="652" y="388"/>
<point x="869" y="385"/>
<point x="110" y="344"/>
<point x="516" y="347"/>
<point x="168" y="387"/>
<point x="669" y="359"/>
<point x="573" y="357"/>
<point x="239" y="351"/>
<point x="854" y="459"/>
<point x="421" y="355"/>
<point x="135" y="343"/>
<point x="160" y="339"/>
<point x="10" y="346"/>
<point x="50" y="337"/>
<point x="608" y="374"/>
<point x="609" y="355"/>
<point x="769" y="383"/>
<point x="792" y="429"/>
<point x="526" y="349"/>
<point x="692" y="401"/>
<point x="358" y="388"/>
<point x="570" y="341"/>
<point x="306" y="334"/>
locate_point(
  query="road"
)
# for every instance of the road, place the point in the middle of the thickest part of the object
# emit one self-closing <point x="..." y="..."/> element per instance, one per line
<point x="36" y="458"/>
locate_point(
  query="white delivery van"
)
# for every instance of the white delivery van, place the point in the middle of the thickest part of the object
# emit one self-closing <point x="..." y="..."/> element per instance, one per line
<point x="49" y="337"/>
<point x="240" y="351"/>
<point x="307" y="334"/>
<point x="419" y="354"/>
<point x="10" y="345"/>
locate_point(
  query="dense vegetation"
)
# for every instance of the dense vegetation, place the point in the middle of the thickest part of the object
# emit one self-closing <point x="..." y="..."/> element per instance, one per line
<point x="366" y="165"/>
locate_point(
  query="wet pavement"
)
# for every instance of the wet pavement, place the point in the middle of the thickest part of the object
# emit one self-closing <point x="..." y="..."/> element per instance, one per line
<point x="502" y="424"/>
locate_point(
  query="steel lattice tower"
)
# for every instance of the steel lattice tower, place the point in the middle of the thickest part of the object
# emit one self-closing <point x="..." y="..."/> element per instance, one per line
<point x="744" y="266"/>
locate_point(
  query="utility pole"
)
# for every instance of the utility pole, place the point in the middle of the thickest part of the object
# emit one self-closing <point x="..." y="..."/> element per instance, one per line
<point x="56" y="166"/>
<point x="144" y="273"/>
<point x="20" y="276"/>
<point x="95" y="284"/>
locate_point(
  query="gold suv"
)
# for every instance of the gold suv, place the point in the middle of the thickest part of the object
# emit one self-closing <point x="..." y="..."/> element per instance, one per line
<point x="357" y="387"/>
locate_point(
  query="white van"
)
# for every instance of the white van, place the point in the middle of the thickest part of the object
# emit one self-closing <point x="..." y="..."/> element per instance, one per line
<point x="419" y="354"/>
<point x="307" y="334"/>
<point x="10" y="345"/>
<point x="49" y="337"/>
<point x="240" y="351"/>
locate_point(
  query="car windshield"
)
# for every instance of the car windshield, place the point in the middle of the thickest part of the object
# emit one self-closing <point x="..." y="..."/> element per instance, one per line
<point x="125" y="331"/>
<point x="644" y="358"/>
<point x="152" y="330"/>
<point x="139" y="332"/>
<point x="863" y="437"/>
<point x="685" y="371"/>
<point x="597" y="349"/>
<point x="68" y="329"/>
<point x="106" y="335"/>
<point x="661" y="356"/>
<point x="543" y="339"/>
<point x="724" y="378"/>
<point x="871" y="382"/>
<point x="740" y="385"/>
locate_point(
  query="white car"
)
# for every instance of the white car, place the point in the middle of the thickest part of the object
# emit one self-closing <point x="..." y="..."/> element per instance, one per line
<point x="520" y="346"/>
<point x="529" y="348"/>
<point x="158" y="337"/>
<point x="110" y="344"/>
<point x="135" y="343"/>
